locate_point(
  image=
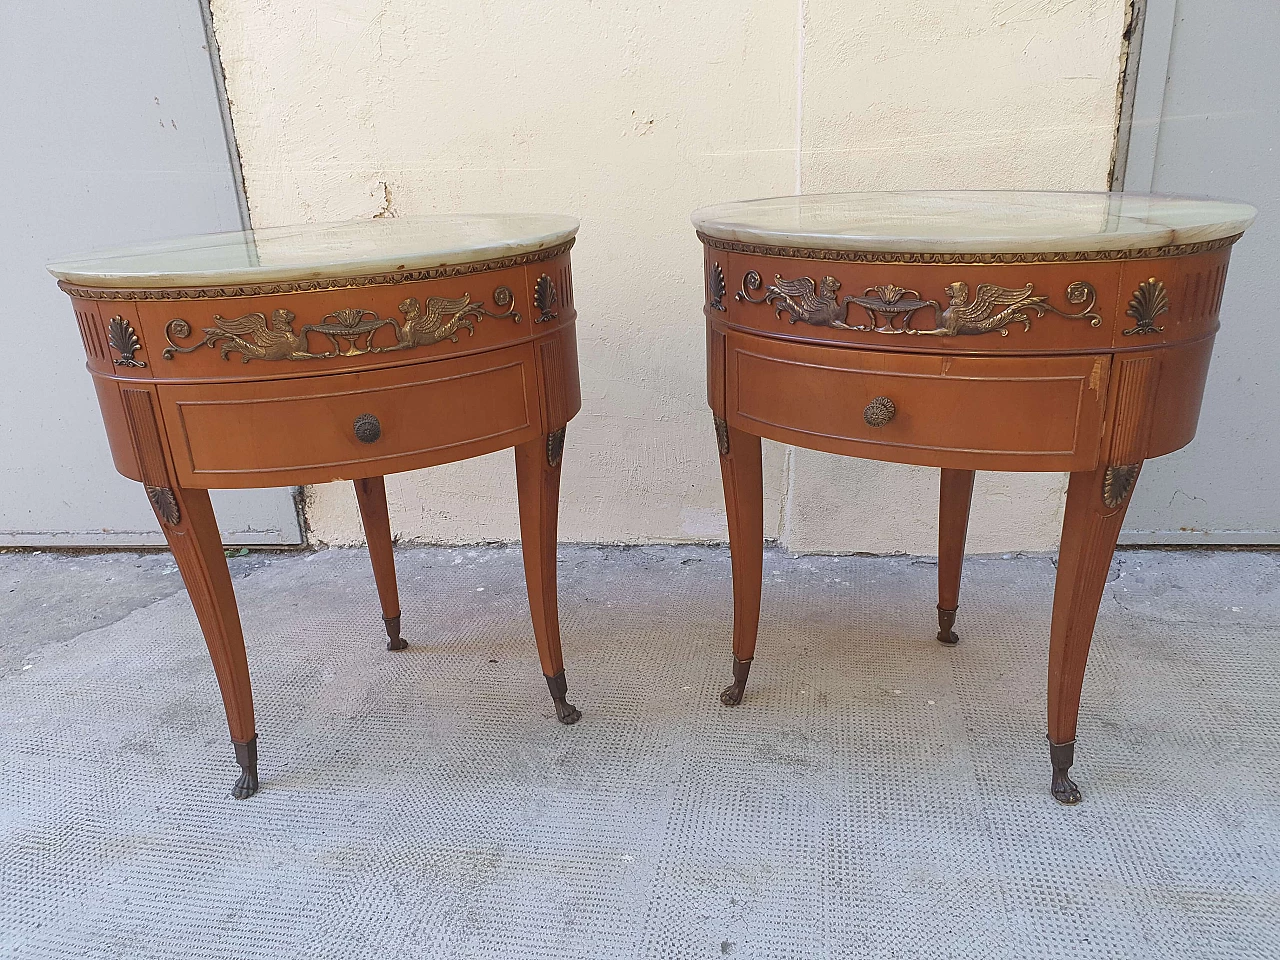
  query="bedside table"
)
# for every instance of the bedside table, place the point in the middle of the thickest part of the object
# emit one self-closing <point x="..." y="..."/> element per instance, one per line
<point x="967" y="331"/>
<point x="347" y="351"/>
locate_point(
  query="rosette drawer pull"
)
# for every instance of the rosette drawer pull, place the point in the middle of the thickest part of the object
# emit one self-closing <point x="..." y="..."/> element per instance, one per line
<point x="879" y="412"/>
<point x="367" y="428"/>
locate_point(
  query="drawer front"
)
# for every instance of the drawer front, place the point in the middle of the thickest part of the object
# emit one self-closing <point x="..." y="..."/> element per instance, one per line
<point x="314" y="429"/>
<point x="995" y="413"/>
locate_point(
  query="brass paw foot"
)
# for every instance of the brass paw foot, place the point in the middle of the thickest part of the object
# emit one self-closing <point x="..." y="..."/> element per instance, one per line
<point x="731" y="696"/>
<point x="246" y="785"/>
<point x="394" y="640"/>
<point x="566" y="712"/>
<point x="946" y="620"/>
<point x="1063" y="788"/>
<point x="247" y="756"/>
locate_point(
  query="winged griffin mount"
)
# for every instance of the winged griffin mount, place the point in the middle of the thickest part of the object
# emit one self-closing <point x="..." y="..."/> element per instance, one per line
<point x="348" y="332"/>
<point x="891" y="309"/>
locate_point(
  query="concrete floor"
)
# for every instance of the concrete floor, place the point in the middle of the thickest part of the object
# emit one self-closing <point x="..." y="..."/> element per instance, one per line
<point x="875" y="795"/>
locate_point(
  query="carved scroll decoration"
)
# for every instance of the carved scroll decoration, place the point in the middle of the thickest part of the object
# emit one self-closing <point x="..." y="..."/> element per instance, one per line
<point x="891" y="309"/>
<point x="1148" y="302"/>
<point x="124" y="340"/>
<point x="349" y="332"/>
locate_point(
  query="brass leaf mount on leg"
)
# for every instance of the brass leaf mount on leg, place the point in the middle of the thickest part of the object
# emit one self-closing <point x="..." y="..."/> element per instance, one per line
<point x="1117" y="484"/>
<point x="555" y="446"/>
<point x="165" y="504"/>
<point x="722" y="436"/>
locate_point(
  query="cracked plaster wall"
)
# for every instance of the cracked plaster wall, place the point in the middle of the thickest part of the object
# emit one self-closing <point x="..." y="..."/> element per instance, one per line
<point x="629" y="114"/>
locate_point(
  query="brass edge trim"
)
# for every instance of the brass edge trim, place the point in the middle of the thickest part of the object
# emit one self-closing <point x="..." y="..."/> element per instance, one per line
<point x="863" y="256"/>
<point x="312" y="286"/>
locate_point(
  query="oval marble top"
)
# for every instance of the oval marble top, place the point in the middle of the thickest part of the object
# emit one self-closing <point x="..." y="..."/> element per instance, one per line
<point x="318" y="250"/>
<point x="974" y="221"/>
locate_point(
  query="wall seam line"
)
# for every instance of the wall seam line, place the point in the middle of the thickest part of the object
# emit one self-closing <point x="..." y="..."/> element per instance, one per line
<point x="224" y="108"/>
<point x="799" y="130"/>
<point x="788" y="460"/>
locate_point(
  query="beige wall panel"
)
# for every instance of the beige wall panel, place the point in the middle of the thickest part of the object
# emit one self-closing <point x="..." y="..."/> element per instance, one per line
<point x="628" y="115"/>
<point x="963" y="94"/>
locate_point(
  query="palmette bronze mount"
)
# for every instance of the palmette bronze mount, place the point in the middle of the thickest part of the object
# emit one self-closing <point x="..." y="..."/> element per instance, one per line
<point x="544" y="298"/>
<point x="348" y="332"/>
<point x="891" y="309"/>
<point x="1148" y="302"/>
<point x="717" y="288"/>
<point x="124" y="340"/>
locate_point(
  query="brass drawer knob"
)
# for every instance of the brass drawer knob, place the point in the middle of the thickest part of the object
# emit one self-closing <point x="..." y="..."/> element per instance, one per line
<point x="367" y="427"/>
<point x="879" y="412"/>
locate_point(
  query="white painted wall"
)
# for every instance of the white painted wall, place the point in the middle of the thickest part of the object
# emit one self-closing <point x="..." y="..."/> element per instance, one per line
<point x="629" y="114"/>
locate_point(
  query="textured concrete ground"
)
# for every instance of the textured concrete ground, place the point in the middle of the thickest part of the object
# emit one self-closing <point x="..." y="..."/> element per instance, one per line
<point x="875" y="795"/>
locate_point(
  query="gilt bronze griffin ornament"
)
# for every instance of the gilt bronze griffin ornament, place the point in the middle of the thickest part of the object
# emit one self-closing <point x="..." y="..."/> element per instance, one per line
<point x="349" y="331"/>
<point x="891" y="309"/>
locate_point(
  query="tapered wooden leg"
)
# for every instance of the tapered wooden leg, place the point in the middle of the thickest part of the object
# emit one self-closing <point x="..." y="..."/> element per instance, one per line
<point x="954" y="495"/>
<point x="1096" y="505"/>
<point x="186" y="516"/>
<point x="371" y="494"/>
<point x="740" y="469"/>
<point x="538" y="487"/>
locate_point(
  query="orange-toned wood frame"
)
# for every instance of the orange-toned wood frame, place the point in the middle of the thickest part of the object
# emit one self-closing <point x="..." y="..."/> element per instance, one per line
<point x="435" y="386"/>
<point x="1094" y="395"/>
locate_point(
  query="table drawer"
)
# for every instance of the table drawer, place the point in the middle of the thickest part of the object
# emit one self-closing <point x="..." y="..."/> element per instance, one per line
<point x="312" y="429"/>
<point x="995" y="413"/>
